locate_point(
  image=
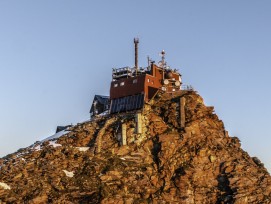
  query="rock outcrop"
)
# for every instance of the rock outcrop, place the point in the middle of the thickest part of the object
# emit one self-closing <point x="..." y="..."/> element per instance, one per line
<point x="165" y="163"/>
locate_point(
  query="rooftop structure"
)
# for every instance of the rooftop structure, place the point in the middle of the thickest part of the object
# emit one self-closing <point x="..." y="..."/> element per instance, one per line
<point x="131" y="87"/>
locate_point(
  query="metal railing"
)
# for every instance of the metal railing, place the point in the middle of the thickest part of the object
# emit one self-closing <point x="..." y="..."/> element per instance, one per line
<point x="187" y="88"/>
<point x="127" y="72"/>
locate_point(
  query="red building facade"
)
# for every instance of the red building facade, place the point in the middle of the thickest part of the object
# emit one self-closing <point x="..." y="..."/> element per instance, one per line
<point x="131" y="87"/>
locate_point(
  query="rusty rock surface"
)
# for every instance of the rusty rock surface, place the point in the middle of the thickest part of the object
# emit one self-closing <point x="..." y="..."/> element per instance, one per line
<point x="200" y="163"/>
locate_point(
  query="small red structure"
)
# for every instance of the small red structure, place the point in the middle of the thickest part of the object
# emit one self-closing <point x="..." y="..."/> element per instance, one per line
<point x="131" y="87"/>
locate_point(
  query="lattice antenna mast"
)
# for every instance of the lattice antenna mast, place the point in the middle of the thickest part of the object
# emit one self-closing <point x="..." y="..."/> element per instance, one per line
<point x="163" y="63"/>
<point x="163" y="53"/>
<point x="136" y="41"/>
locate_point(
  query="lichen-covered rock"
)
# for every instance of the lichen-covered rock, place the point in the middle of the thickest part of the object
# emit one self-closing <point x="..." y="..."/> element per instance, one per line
<point x="164" y="163"/>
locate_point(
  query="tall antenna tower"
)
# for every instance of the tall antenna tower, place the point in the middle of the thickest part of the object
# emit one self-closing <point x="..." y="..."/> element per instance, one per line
<point x="136" y="41"/>
<point x="163" y="62"/>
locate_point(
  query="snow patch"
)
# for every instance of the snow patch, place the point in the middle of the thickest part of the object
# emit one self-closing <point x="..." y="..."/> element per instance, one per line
<point x="37" y="148"/>
<point x="5" y="186"/>
<point x="20" y="154"/>
<point x="54" y="144"/>
<point x="82" y="149"/>
<point x="55" y="136"/>
<point x="104" y="113"/>
<point x="69" y="173"/>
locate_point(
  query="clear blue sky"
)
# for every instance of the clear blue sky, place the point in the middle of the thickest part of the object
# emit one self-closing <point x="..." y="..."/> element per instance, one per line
<point x="55" y="55"/>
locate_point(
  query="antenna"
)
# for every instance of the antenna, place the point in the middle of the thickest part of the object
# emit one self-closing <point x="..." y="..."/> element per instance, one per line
<point x="163" y="53"/>
<point x="136" y="41"/>
<point x="162" y="63"/>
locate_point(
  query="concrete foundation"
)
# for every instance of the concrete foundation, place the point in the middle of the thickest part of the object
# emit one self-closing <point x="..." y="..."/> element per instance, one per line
<point x="123" y="134"/>
<point x="138" y="119"/>
<point x="182" y="112"/>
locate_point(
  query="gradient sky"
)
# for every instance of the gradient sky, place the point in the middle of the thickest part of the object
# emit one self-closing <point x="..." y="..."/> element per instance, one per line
<point x="55" y="55"/>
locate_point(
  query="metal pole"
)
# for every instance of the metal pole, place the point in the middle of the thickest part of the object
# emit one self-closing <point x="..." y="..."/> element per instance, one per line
<point x="136" y="41"/>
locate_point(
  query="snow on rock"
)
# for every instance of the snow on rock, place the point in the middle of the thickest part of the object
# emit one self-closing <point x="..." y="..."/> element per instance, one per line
<point x="69" y="173"/>
<point x="104" y="113"/>
<point x="37" y="148"/>
<point x="54" y="144"/>
<point x="5" y="186"/>
<point x="55" y="136"/>
<point x="82" y="149"/>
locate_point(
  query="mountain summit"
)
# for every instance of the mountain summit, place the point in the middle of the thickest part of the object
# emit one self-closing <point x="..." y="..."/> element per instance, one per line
<point x="174" y="150"/>
<point x="151" y="141"/>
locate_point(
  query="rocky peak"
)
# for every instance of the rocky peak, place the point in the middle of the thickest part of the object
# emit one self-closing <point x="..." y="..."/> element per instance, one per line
<point x="175" y="150"/>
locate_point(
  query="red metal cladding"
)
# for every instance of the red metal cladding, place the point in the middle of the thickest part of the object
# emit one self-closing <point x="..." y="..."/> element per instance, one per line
<point x="127" y="87"/>
<point x="147" y="83"/>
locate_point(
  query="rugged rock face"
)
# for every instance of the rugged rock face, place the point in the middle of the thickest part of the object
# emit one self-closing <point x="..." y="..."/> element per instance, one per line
<point x="165" y="163"/>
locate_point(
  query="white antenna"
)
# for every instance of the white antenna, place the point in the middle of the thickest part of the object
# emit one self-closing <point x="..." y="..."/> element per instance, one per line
<point x="162" y="63"/>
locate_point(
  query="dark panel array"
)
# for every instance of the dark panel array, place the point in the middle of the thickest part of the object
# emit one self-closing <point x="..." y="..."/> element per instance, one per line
<point x="127" y="103"/>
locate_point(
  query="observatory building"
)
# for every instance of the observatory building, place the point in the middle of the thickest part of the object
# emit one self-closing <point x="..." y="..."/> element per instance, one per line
<point x="132" y="87"/>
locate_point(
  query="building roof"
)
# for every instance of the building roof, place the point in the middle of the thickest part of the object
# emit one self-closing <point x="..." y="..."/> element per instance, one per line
<point x="101" y="99"/>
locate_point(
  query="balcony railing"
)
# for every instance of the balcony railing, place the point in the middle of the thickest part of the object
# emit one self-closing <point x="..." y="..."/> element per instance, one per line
<point x="126" y="72"/>
<point x="187" y="88"/>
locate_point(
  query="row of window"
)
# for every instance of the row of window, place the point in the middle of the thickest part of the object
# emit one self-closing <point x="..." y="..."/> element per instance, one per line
<point x="134" y="82"/>
<point x="123" y="83"/>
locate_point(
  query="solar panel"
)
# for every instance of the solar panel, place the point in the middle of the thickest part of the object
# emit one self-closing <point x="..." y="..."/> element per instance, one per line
<point x="127" y="103"/>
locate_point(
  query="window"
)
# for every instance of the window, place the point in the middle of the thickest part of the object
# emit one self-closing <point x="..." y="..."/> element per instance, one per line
<point x="122" y="83"/>
<point x="134" y="81"/>
<point x="115" y="85"/>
